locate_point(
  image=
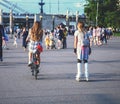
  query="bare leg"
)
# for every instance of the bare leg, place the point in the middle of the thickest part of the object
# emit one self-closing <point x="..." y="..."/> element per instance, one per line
<point x="30" y="57"/>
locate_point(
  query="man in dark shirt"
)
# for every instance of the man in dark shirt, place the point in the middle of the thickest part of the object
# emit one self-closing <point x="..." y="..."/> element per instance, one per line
<point x="1" y="35"/>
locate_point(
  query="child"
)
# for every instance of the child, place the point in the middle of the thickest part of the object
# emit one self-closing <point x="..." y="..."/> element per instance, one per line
<point x="15" y="41"/>
<point x="81" y="50"/>
<point x="52" y="40"/>
<point x="47" y="41"/>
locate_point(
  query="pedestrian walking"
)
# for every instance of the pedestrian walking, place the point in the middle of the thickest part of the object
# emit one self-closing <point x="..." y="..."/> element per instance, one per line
<point x="65" y="38"/>
<point x="98" y="34"/>
<point x="81" y="49"/>
<point x="1" y="41"/>
<point x="52" y="40"/>
<point x="18" y="32"/>
<point x="24" y="37"/>
<point x="15" y="43"/>
<point x="47" y="41"/>
<point x="60" y="36"/>
<point x="94" y="36"/>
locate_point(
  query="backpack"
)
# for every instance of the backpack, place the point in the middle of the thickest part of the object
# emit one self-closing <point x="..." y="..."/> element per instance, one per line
<point x="86" y="41"/>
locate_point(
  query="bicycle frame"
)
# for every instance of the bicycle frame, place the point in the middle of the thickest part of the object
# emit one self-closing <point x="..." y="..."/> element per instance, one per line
<point x="35" y="66"/>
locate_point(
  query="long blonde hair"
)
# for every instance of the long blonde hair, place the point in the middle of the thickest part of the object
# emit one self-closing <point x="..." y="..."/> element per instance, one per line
<point x="36" y="31"/>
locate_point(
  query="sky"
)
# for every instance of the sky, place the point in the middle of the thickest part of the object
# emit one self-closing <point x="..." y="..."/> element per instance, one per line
<point x="50" y="7"/>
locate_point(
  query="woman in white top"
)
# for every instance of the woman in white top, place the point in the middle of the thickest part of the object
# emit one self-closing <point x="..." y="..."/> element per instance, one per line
<point x="94" y="36"/>
<point x="81" y="50"/>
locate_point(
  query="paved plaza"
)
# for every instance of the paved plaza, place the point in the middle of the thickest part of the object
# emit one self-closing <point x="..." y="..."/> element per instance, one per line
<point x="56" y="81"/>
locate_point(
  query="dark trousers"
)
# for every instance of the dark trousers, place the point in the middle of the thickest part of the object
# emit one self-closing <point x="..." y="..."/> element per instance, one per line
<point x="1" y="52"/>
<point x="64" y="43"/>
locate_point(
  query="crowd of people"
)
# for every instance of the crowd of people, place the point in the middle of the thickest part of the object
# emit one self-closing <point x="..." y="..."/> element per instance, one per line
<point x="57" y="39"/>
<point x="99" y="35"/>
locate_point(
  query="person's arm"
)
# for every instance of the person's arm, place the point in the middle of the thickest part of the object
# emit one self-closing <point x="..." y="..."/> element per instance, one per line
<point x="75" y="42"/>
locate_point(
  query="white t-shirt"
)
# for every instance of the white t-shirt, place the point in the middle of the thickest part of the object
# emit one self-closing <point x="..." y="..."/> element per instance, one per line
<point x="80" y="36"/>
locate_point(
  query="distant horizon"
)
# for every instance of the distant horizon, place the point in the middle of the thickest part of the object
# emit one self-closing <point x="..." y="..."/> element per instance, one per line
<point x="50" y="7"/>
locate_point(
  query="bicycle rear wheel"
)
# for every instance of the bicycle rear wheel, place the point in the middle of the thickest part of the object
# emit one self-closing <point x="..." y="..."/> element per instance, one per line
<point x="36" y="73"/>
<point x="32" y="72"/>
<point x="36" y="66"/>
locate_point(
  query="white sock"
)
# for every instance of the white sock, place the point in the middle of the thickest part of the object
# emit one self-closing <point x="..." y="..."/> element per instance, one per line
<point x="79" y="67"/>
<point x="86" y="70"/>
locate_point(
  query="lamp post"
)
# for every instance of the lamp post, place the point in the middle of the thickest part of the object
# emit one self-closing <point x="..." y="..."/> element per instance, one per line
<point x="27" y="18"/>
<point x="11" y="23"/>
<point x="41" y="20"/>
<point x="1" y="15"/>
<point x="67" y="19"/>
<point x="53" y="18"/>
<point x="97" y="12"/>
<point x="77" y="14"/>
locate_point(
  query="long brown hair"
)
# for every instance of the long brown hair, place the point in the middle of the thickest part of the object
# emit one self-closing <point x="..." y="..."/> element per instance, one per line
<point x="80" y="25"/>
<point x="36" y="31"/>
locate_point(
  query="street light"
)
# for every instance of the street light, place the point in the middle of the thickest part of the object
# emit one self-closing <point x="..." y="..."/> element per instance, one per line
<point x="67" y="19"/>
<point x="11" y="23"/>
<point x="41" y="20"/>
<point x="27" y="17"/>
<point x="97" y="12"/>
<point x="53" y="17"/>
<point x="13" y="19"/>
<point x="77" y="14"/>
<point x="1" y="16"/>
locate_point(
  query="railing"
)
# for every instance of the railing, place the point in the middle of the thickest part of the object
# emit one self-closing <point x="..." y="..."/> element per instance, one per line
<point x="12" y="6"/>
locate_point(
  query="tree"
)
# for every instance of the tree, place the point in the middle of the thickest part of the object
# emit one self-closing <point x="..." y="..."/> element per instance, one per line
<point x="108" y="12"/>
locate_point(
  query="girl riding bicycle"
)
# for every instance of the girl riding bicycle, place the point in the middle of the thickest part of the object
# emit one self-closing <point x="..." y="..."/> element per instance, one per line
<point x="35" y="39"/>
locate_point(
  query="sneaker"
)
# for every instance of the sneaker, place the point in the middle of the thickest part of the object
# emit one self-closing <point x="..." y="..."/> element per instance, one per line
<point x="77" y="79"/>
<point x="29" y="63"/>
<point x="87" y="79"/>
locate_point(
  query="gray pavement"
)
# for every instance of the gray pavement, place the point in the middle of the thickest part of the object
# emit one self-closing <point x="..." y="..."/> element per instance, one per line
<point x="56" y="81"/>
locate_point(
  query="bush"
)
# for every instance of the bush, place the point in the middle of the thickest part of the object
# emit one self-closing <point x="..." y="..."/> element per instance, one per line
<point x="117" y="34"/>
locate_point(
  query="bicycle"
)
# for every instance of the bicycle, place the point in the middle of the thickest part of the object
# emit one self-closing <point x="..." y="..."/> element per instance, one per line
<point x="36" y="61"/>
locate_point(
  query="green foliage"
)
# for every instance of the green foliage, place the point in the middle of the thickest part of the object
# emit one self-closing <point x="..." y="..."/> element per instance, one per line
<point x="117" y="34"/>
<point x="108" y="12"/>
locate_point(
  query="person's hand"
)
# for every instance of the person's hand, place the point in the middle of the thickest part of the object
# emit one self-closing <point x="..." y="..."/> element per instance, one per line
<point x="75" y="50"/>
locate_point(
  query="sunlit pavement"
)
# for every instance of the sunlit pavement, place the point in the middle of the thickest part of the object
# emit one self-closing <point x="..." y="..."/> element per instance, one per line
<point x="56" y="81"/>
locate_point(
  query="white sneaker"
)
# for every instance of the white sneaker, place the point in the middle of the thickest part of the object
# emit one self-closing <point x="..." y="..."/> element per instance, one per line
<point x="29" y="63"/>
<point x="77" y="79"/>
<point x="87" y="79"/>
